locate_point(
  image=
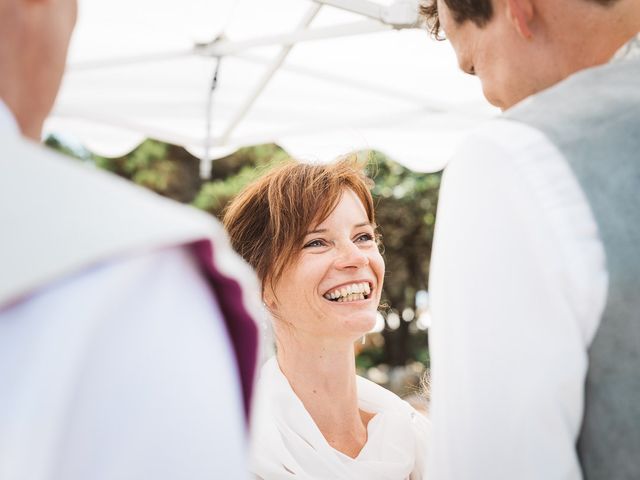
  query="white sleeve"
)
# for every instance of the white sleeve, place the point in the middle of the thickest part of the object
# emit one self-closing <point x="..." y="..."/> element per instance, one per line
<point x="124" y="372"/>
<point x="518" y="284"/>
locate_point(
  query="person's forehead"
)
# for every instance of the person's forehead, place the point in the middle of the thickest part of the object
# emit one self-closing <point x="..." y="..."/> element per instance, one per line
<point x="349" y="205"/>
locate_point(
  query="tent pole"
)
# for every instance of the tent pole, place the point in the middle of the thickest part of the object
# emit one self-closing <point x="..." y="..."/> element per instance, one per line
<point x="223" y="48"/>
<point x="268" y="75"/>
<point x="205" y="161"/>
<point x="218" y="49"/>
<point x="400" y="14"/>
<point x="362" y="7"/>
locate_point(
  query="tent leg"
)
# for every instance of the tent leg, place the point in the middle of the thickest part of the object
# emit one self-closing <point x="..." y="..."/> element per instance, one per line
<point x="268" y="75"/>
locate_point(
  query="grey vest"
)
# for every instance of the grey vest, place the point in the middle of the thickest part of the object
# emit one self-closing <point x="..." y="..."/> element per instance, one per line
<point x="594" y="119"/>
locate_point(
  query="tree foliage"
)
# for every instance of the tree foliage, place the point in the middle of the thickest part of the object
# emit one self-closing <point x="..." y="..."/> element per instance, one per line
<point x="406" y="204"/>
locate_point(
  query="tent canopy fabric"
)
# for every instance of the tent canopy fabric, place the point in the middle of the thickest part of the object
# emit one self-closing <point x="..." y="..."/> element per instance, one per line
<point x="318" y="77"/>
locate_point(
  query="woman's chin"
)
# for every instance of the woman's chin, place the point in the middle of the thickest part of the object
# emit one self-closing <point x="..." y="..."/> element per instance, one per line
<point x="359" y="324"/>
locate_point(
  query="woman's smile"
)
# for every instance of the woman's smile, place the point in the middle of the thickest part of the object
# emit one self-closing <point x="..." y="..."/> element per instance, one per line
<point x="350" y="292"/>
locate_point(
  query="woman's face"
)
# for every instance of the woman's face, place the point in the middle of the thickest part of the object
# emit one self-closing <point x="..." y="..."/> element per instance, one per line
<point x="333" y="290"/>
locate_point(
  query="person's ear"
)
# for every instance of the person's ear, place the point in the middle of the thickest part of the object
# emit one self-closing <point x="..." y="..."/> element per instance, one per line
<point x="269" y="298"/>
<point x="521" y="13"/>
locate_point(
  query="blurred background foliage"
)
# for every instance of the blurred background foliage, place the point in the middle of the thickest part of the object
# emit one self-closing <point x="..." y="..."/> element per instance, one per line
<point x="396" y="353"/>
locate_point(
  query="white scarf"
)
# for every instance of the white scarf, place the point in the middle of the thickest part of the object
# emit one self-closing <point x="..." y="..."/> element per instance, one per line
<point x="629" y="50"/>
<point x="287" y="444"/>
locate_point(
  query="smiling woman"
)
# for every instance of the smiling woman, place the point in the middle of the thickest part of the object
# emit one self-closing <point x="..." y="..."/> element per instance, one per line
<point x="309" y="231"/>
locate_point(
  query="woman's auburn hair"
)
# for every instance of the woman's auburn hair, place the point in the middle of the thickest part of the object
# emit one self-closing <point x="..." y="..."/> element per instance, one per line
<point x="269" y="219"/>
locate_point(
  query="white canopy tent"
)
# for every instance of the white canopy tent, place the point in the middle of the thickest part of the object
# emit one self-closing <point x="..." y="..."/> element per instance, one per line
<point x="318" y="77"/>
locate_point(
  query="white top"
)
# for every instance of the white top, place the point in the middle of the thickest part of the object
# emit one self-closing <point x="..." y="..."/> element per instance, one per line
<point x="518" y="283"/>
<point x="287" y="444"/>
<point x="122" y="370"/>
<point x="7" y="121"/>
<point x="131" y="385"/>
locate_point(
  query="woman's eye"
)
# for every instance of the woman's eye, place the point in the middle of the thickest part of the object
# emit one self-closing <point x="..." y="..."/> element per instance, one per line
<point x="366" y="237"/>
<point x="315" y="243"/>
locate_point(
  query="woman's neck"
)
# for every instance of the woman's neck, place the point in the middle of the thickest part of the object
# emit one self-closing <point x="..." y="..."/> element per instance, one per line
<point x="322" y="374"/>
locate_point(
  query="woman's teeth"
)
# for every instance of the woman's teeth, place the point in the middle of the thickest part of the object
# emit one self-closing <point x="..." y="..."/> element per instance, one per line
<point x="350" y="293"/>
<point x="351" y="298"/>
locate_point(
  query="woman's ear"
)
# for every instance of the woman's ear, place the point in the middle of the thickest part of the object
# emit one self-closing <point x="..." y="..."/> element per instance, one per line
<point x="269" y="298"/>
<point x="521" y="13"/>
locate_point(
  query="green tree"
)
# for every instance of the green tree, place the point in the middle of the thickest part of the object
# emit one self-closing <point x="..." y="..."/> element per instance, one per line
<point x="406" y="204"/>
<point x="405" y="201"/>
<point x="232" y="173"/>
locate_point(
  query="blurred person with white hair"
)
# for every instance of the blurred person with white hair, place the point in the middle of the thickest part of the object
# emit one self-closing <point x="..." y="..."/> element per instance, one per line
<point x="127" y="340"/>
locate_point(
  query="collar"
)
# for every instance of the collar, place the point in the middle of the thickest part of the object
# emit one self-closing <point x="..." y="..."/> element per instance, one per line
<point x="629" y="50"/>
<point x="7" y="121"/>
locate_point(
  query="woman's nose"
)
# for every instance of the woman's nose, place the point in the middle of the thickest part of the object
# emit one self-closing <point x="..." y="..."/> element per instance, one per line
<point x="351" y="256"/>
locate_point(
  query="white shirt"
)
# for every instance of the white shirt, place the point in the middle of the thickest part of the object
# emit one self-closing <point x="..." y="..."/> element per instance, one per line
<point x="122" y="371"/>
<point x="7" y="121"/>
<point x="287" y="444"/>
<point x="518" y="284"/>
